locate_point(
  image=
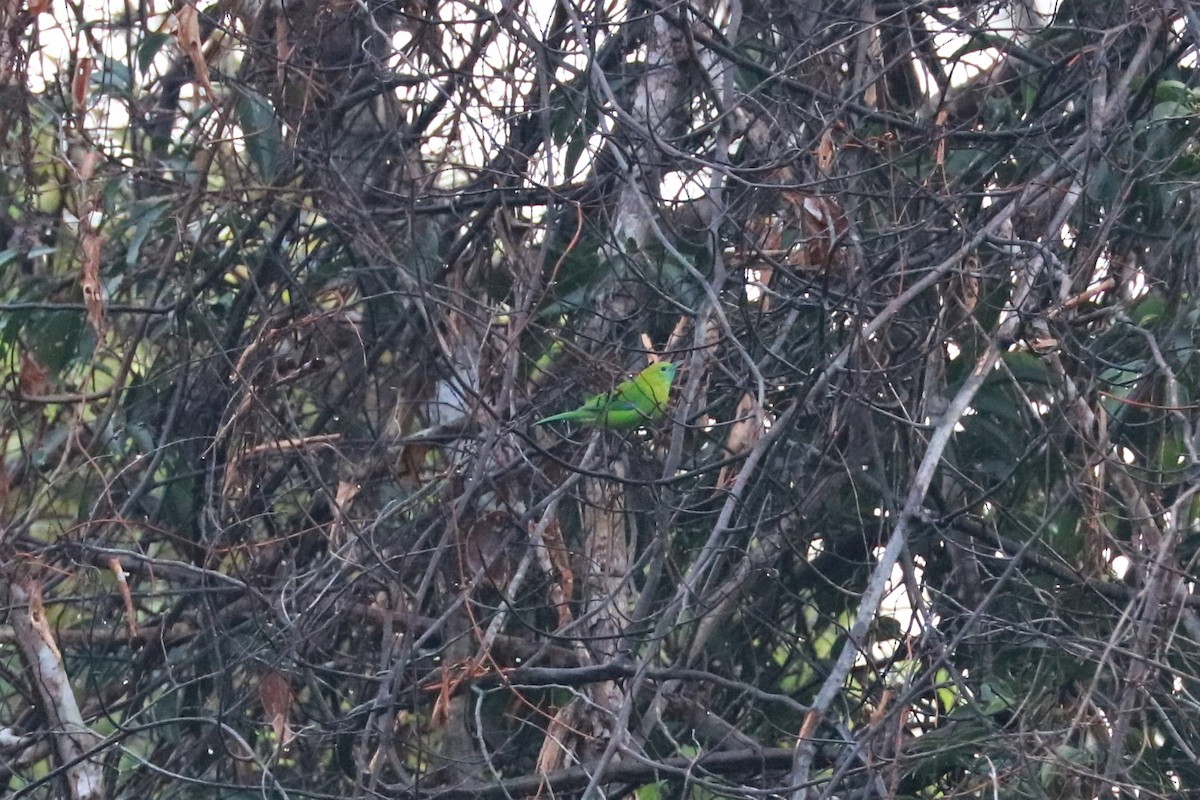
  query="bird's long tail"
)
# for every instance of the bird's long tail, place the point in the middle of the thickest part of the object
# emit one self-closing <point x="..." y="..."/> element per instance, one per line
<point x="563" y="417"/>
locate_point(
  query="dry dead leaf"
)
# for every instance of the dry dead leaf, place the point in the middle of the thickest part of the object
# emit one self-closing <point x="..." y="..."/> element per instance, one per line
<point x="5" y="486"/>
<point x="968" y="295"/>
<point x="412" y="463"/>
<point x="561" y="737"/>
<point x="825" y="152"/>
<point x="284" y="47"/>
<point x="675" y="341"/>
<point x="33" y="381"/>
<point x="89" y="280"/>
<point x="188" y="35"/>
<point x="275" y="694"/>
<point x="563" y="589"/>
<point x="744" y="433"/>
<point x="939" y="150"/>
<point x="114" y="564"/>
<point x="1042" y="345"/>
<point x="81" y="82"/>
<point x="346" y="492"/>
<point x="85" y="167"/>
<point x="487" y="550"/>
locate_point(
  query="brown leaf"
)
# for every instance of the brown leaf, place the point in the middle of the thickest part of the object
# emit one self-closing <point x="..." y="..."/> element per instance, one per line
<point x="1042" y="345"/>
<point x="746" y="430"/>
<point x="275" y="694"/>
<point x="939" y="150"/>
<point x="5" y="486"/>
<point x="676" y="339"/>
<point x="824" y="224"/>
<point x="825" y="152"/>
<point x="968" y="296"/>
<point x="346" y="492"/>
<point x="81" y="82"/>
<point x="188" y="35"/>
<point x="283" y="46"/>
<point x="85" y="166"/>
<point x="33" y="381"/>
<point x="412" y="462"/>
<point x="562" y="735"/>
<point x="487" y="550"/>
<point x="114" y="564"/>
<point x="561" y="590"/>
<point x="93" y="295"/>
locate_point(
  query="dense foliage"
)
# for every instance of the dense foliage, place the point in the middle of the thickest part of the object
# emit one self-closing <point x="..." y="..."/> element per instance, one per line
<point x="284" y="286"/>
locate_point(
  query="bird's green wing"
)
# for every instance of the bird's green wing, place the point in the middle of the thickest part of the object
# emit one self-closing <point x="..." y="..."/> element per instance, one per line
<point x="621" y="417"/>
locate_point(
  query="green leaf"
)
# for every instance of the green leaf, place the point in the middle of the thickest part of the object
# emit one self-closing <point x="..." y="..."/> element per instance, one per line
<point x="150" y="47"/>
<point x="1171" y="91"/>
<point x="12" y="254"/>
<point x="1027" y="368"/>
<point x="1148" y="310"/>
<point x="46" y="452"/>
<point x="115" y="78"/>
<point x="146" y="213"/>
<point x="1170" y="110"/>
<point x="1118" y="381"/>
<point x="651" y="791"/>
<point x="264" y="141"/>
<point x="143" y="438"/>
<point x="1105" y="185"/>
<point x="57" y="339"/>
<point x="888" y="629"/>
<point x="946" y="691"/>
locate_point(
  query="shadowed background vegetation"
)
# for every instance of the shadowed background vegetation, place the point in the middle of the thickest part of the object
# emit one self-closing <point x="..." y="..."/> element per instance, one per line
<point x="283" y="287"/>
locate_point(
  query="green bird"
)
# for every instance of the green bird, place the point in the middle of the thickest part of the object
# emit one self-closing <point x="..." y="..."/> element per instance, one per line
<point x="640" y="399"/>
